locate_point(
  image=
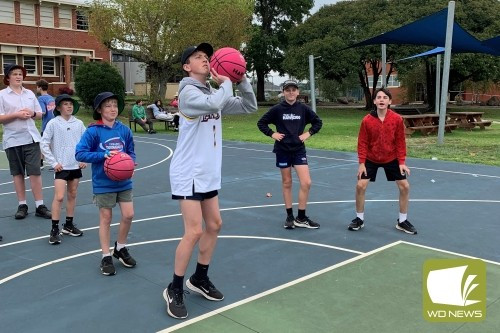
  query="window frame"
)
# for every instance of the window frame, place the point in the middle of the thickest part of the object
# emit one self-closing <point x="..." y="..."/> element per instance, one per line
<point x="53" y="66"/>
<point x="28" y="72"/>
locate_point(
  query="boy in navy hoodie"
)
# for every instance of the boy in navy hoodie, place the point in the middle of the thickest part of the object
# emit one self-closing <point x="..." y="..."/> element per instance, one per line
<point x="100" y="141"/>
<point x="290" y="118"/>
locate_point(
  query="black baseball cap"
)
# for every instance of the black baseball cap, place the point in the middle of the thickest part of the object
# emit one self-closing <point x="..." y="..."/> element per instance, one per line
<point x="289" y="83"/>
<point x="9" y="69"/>
<point x="104" y="96"/>
<point x="66" y="97"/>
<point x="205" y="47"/>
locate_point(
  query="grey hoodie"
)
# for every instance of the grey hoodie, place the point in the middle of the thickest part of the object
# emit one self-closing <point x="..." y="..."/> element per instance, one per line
<point x="197" y="158"/>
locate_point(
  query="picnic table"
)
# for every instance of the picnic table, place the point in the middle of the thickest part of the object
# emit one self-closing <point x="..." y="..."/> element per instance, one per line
<point x="469" y="120"/>
<point x="425" y="123"/>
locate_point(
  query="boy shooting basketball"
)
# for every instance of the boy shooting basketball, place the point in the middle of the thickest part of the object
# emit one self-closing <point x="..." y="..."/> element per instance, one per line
<point x="100" y="141"/>
<point x="60" y="137"/>
<point x="381" y="144"/>
<point x="195" y="171"/>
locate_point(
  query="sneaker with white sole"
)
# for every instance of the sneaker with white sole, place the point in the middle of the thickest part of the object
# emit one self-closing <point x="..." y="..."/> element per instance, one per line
<point x="407" y="227"/>
<point x="124" y="257"/>
<point x="289" y="222"/>
<point x="204" y="288"/>
<point x="306" y="223"/>
<point x="356" y="224"/>
<point x="175" y="302"/>
<point x="71" y="229"/>
<point x="107" y="267"/>
<point x="54" y="237"/>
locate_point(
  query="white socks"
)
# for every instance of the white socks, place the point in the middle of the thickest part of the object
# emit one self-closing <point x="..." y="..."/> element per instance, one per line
<point x="38" y="203"/>
<point x="120" y="246"/>
<point x="23" y="202"/>
<point x="361" y="215"/>
<point x="106" y="255"/>
<point x="402" y="217"/>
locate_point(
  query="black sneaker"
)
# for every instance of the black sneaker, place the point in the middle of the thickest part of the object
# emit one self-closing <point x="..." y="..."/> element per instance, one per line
<point x="1" y="238"/>
<point x="22" y="212"/>
<point x="175" y="302"/>
<point x="356" y="224"/>
<point x="205" y="288"/>
<point x="54" y="238"/>
<point x="107" y="267"/>
<point x="124" y="257"/>
<point x="289" y="222"/>
<point x="43" y="211"/>
<point x="306" y="223"/>
<point x="407" y="227"/>
<point x="72" y="230"/>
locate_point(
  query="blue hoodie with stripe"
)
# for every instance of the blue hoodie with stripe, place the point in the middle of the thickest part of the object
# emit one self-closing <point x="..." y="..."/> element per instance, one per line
<point x="96" y="140"/>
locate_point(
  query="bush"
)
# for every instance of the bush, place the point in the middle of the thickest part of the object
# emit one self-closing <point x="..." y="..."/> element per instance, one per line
<point x="66" y="90"/>
<point x="93" y="78"/>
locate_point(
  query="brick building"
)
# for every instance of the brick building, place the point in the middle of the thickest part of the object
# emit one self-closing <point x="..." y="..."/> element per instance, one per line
<point x="49" y="38"/>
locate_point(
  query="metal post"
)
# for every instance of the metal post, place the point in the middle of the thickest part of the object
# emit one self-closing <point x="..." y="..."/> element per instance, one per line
<point x="384" y="62"/>
<point x="311" y="82"/>
<point x="446" y="71"/>
<point x="438" y="83"/>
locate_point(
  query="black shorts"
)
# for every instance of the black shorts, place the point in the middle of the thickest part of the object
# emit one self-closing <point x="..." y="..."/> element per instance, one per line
<point x="391" y="169"/>
<point x="25" y="158"/>
<point x="196" y="196"/>
<point x="68" y="174"/>
<point x="287" y="160"/>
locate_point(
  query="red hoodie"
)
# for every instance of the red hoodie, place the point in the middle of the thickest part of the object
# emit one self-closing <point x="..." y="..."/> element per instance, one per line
<point x="382" y="142"/>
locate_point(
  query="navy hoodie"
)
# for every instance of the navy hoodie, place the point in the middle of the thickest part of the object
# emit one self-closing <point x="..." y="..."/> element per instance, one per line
<point x="291" y="120"/>
<point x="96" y="140"/>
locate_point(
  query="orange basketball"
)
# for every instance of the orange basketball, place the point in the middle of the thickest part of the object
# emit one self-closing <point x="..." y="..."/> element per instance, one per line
<point x="119" y="167"/>
<point x="229" y="62"/>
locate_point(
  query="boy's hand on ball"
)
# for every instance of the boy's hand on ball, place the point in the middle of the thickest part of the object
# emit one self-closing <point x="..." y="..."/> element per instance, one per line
<point x="219" y="79"/>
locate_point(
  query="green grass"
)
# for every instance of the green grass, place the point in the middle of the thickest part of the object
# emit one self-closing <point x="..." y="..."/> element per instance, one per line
<point x="340" y="133"/>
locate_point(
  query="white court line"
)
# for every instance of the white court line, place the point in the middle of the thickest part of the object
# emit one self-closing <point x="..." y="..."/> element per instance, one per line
<point x="354" y="160"/>
<point x="48" y="263"/>
<point x="263" y="206"/>
<point x="275" y="289"/>
<point x="450" y="252"/>
<point x="171" y="152"/>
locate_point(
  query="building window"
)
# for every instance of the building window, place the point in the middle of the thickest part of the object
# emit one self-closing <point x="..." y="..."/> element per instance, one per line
<point x="82" y="22"/>
<point x="6" y="11"/>
<point x="47" y="16"/>
<point x="48" y="66"/>
<point x="64" y="17"/>
<point x="29" y="62"/>
<point x="393" y="81"/>
<point x="8" y="59"/>
<point x="74" y="63"/>
<point x="27" y="13"/>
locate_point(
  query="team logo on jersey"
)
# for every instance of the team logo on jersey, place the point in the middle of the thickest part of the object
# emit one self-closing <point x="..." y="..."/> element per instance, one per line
<point x="290" y="116"/>
<point x="115" y="143"/>
<point x="207" y="117"/>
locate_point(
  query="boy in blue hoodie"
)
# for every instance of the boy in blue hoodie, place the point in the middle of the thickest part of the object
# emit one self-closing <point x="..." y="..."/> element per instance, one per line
<point x="100" y="141"/>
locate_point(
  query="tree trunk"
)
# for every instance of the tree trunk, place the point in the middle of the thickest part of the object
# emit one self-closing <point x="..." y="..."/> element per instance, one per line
<point x="159" y="78"/>
<point x="430" y="77"/>
<point x="366" y="90"/>
<point x="260" y="86"/>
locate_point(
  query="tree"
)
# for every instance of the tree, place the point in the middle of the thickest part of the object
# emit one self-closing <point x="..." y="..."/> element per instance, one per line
<point x="157" y="31"/>
<point x="93" y="78"/>
<point x="338" y="26"/>
<point x="264" y="51"/>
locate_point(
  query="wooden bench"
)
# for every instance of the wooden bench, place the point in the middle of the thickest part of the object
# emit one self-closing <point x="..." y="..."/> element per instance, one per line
<point x="149" y="114"/>
<point x="428" y="129"/>
<point x="482" y="124"/>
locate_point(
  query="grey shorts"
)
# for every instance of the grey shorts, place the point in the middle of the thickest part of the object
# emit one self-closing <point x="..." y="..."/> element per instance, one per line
<point x="109" y="200"/>
<point x="24" y="158"/>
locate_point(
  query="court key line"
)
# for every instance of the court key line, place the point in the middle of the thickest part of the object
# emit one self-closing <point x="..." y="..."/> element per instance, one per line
<point x="52" y="262"/>
<point x="263" y="206"/>
<point x="171" y="152"/>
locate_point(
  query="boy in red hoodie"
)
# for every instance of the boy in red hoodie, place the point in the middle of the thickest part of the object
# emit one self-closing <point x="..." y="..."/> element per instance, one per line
<point x="381" y="144"/>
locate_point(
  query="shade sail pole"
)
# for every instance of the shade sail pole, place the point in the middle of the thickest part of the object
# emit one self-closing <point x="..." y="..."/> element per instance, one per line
<point x="384" y="67"/>
<point x="446" y="71"/>
<point x="438" y="83"/>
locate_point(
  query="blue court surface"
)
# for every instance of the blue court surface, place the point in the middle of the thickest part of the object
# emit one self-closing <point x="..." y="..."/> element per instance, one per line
<point x="273" y="279"/>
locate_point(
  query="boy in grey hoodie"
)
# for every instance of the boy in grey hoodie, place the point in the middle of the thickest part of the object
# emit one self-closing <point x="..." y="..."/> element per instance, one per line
<point x="60" y="137"/>
<point x="195" y="170"/>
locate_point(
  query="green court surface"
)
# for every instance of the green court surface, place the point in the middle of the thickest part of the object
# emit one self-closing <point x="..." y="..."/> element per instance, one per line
<point x="380" y="291"/>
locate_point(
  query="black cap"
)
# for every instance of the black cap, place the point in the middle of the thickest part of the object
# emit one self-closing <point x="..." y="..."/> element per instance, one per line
<point x="9" y="69"/>
<point x="66" y="97"/>
<point x="101" y="98"/>
<point x="289" y="83"/>
<point x="205" y="47"/>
